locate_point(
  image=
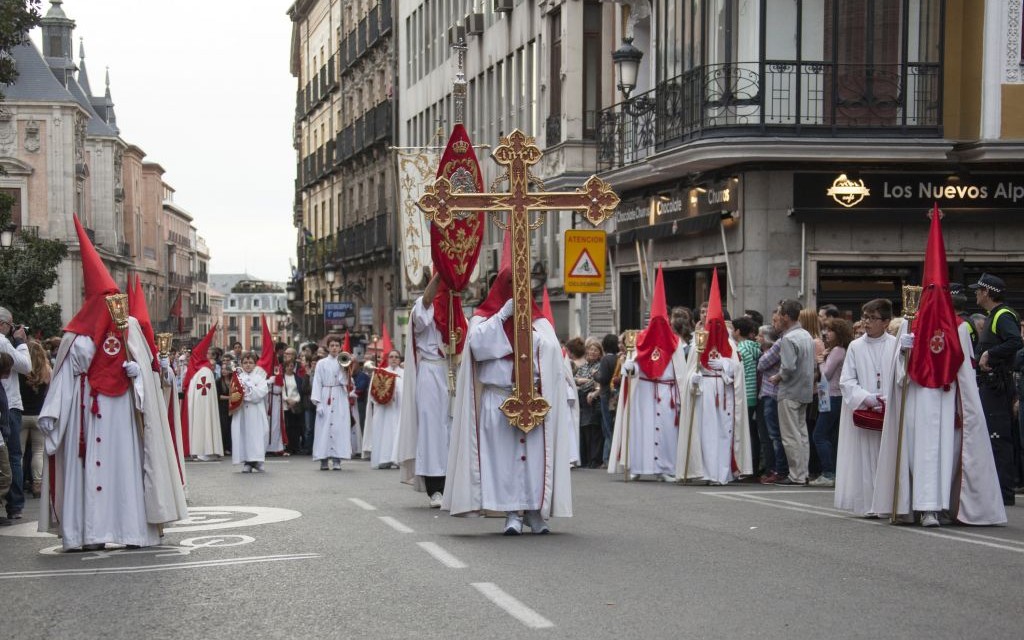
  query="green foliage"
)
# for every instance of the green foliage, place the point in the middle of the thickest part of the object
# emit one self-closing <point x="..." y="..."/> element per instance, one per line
<point x="27" y="270"/>
<point x="17" y="18"/>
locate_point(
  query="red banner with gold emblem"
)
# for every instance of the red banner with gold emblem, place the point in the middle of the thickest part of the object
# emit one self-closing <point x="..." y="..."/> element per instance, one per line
<point x="236" y="395"/>
<point x="382" y="386"/>
<point x="455" y="249"/>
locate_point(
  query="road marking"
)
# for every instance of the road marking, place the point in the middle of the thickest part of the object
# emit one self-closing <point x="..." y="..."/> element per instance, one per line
<point x="513" y="607"/>
<point x="824" y="511"/>
<point x="95" y="571"/>
<point x="395" y="524"/>
<point x="442" y="556"/>
<point x="183" y="548"/>
<point x="362" y="504"/>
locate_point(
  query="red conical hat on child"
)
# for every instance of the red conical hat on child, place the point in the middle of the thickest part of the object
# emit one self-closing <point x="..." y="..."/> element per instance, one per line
<point x="545" y="307"/>
<point x="385" y="342"/>
<point x="937" y="354"/>
<point x="266" y="361"/>
<point x="714" y="324"/>
<point x="656" y="344"/>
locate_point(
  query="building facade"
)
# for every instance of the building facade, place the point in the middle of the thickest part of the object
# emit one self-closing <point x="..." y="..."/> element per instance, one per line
<point x="797" y="146"/>
<point x="342" y="56"/>
<point x="245" y="301"/>
<point x="539" y="67"/>
<point x="61" y="153"/>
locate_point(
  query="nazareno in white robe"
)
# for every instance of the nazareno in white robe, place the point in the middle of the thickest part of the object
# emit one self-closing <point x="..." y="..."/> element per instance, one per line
<point x="332" y="436"/>
<point x="719" y="447"/>
<point x="275" y="416"/>
<point x="651" y="411"/>
<point x="126" y="484"/>
<point x="941" y="468"/>
<point x="380" y="436"/>
<point x="424" y="435"/>
<point x="204" y="415"/>
<point x="249" y="425"/>
<point x="867" y="361"/>
<point x="492" y="465"/>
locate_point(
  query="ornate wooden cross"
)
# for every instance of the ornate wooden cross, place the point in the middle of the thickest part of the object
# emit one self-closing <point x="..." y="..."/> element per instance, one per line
<point x="442" y="203"/>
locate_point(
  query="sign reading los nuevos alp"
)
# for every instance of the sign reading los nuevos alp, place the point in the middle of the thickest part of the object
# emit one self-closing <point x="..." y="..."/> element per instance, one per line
<point x="867" y="191"/>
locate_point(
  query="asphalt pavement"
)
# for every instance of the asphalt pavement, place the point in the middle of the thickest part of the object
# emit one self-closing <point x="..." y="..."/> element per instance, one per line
<point x="296" y="552"/>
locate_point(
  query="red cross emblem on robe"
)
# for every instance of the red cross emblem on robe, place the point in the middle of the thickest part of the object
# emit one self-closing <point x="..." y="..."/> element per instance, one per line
<point x="203" y="385"/>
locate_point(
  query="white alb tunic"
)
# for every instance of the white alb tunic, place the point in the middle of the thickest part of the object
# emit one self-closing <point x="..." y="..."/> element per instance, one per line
<point x="426" y="423"/>
<point x="275" y="442"/>
<point x="942" y="468"/>
<point x="867" y="371"/>
<point x="718" y="449"/>
<point x="249" y="426"/>
<point x="332" y="437"/>
<point x="380" y="438"/>
<point x="204" y="415"/>
<point x="494" y="466"/>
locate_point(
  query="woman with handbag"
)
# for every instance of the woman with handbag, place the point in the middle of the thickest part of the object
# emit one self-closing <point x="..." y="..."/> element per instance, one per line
<point x="865" y="381"/>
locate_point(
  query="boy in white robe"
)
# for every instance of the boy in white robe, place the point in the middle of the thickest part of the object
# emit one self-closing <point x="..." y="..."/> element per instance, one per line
<point x="332" y="431"/>
<point x="249" y="425"/>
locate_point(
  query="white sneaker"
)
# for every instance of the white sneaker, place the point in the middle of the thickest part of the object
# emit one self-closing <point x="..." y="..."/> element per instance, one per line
<point x="246" y="468"/>
<point x="536" y="523"/>
<point x="634" y="476"/>
<point x="435" y="500"/>
<point x="513" y="524"/>
<point x="822" y="481"/>
<point x="929" y="519"/>
<point x="667" y="477"/>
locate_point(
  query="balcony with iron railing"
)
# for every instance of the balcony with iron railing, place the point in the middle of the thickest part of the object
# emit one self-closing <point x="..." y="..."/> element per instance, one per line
<point x="364" y="239"/>
<point x="779" y="98"/>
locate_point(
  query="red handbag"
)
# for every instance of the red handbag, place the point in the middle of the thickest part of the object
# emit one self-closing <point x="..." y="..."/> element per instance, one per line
<point x="869" y="418"/>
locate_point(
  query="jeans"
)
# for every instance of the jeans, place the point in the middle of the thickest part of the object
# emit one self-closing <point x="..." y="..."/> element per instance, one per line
<point x="771" y="420"/>
<point x="5" y="472"/>
<point x="607" y="426"/>
<point x="15" y="498"/>
<point x="307" y="437"/>
<point x="766" y="457"/>
<point x="824" y="433"/>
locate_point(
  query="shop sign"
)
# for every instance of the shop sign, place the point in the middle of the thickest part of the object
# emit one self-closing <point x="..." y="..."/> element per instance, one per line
<point x="336" y="312"/>
<point x="671" y="206"/>
<point x="366" y="316"/>
<point x="917" y="191"/>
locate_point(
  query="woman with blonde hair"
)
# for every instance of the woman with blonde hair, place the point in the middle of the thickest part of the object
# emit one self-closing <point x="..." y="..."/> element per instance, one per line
<point x="33" y="391"/>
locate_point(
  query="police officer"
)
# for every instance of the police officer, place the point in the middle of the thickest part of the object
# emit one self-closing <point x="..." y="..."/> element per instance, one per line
<point x="998" y="343"/>
<point x="959" y="294"/>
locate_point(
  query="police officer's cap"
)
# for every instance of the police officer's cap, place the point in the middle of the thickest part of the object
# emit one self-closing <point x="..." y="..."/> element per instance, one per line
<point x="957" y="289"/>
<point x="990" y="282"/>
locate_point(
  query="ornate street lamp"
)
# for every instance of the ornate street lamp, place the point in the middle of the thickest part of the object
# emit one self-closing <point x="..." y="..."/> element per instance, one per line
<point x="7" y="236"/>
<point x="627" y="62"/>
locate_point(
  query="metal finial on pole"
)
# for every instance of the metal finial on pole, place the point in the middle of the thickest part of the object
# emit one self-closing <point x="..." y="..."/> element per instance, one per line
<point x="459" y="88"/>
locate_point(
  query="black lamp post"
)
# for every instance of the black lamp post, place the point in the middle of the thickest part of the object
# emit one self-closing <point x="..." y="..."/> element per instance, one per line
<point x="627" y="62"/>
<point x="7" y="236"/>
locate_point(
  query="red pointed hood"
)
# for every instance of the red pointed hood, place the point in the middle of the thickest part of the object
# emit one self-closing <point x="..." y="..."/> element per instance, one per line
<point x="346" y="343"/>
<point x="200" y="356"/>
<point x="137" y="307"/>
<point x="385" y="342"/>
<point x="656" y="344"/>
<point x="93" y="319"/>
<point x="714" y="324"/>
<point x="545" y="307"/>
<point x="937" y="354"/>
<point x="266" y="361"/>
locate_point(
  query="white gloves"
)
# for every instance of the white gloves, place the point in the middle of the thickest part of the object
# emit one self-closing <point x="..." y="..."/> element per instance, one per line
<point x="506" y="311"/>
<point x="132" y="369"/>
<point x="715" y="364"/>
<point x="321" y="410"/>
<point x="629" y="367"/>
<point x="906" y="341"/>
<point x="695" y="379"/>
<point x="873" y="402"/>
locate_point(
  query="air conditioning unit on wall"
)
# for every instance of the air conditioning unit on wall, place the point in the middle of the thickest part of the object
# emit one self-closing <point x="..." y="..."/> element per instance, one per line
<point x="456" y="34"/>
<point x="474" y="24"/>
<point x="503" y="6"/>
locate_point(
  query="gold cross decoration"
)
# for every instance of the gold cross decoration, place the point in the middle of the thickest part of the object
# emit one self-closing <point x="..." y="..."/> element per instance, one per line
<point x="442" y="203"/>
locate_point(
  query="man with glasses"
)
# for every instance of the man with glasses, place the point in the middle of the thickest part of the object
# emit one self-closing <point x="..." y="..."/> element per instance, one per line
<point x="998" y="344"/>
<point x="13" y="342"/>
<point x="865" y="381"/>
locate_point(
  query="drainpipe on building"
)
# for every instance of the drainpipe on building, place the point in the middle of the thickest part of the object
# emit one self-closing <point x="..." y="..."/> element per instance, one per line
<point x="803" y="259"/>
<point x="728" y="267"/>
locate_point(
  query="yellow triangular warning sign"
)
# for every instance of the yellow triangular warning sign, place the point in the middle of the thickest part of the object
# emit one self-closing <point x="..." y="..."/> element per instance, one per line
<point x="585" y="267"/>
